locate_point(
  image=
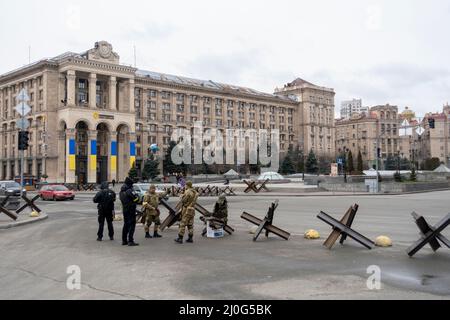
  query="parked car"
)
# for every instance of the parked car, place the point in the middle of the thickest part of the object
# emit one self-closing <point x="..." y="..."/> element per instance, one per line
<point x="142" y="188"/>
<point x="11" y="189"/>
<point x="56" y="192"/>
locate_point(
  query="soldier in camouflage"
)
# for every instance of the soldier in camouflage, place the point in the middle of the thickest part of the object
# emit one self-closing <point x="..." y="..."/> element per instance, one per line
<point x="189" y="200"/>
<point x="221" y="209"/>
<point x="151" y="212"/>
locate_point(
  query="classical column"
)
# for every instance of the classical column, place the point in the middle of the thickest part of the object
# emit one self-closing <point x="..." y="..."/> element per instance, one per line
<point x="70" y="156"/>
<point x="112" y="153"/>
<point x="92" y="91"/>
<point x="132" y="149"/>
<point x="61" y="157"/>
<point x="131" y="87"/>
<point x="112" y="93"/>
<point x="71" y="99"/>
<point x="92" y="162"/>
<point x="122" y="157"/>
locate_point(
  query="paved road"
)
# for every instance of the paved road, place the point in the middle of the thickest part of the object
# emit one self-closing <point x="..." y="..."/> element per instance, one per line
<point x="35" y="258"/>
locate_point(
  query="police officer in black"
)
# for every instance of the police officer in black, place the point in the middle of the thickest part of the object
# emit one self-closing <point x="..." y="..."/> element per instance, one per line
<point x="129" y="199"/>
<point x="105" y="199"/>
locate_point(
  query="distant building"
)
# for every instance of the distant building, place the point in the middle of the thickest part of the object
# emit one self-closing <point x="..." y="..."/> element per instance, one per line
<point x="351" y="107"/>
<point x="363" y="132"/>
<point x="436" y="141"/>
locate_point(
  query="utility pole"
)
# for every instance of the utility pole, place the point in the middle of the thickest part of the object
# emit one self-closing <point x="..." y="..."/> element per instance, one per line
<point x="23" y="109"/>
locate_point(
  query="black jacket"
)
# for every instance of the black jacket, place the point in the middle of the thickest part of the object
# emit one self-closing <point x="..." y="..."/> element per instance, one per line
<point x="105" y="199"/>
<point x="129" y="198"/>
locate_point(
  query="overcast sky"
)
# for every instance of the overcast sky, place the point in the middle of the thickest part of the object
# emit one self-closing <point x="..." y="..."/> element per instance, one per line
<point x="395" y="52"/>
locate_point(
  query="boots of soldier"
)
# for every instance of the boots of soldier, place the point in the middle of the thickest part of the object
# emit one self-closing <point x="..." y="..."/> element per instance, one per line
<point x="156" y="235"/>
<point x="179" y="240"/>
<point x="190" y="239"/>
<point x="147" y="235"/>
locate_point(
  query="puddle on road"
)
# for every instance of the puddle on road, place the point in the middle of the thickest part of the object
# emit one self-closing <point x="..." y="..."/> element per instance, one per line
<point x="427" y="282"/>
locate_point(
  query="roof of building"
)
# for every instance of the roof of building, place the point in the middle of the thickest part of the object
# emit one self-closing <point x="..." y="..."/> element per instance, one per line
<point x="205" y="84"/>
<point x="208" y="84"/>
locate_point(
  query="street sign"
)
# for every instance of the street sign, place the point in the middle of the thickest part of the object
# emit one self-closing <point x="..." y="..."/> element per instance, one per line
<point x="23" y="109"/>
<point x="23" y="96"/>
<point x="23" y="124"/>
<point x="420" y="131"/>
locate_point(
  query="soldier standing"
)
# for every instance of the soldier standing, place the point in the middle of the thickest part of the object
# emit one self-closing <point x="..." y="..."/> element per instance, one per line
<point x="151" y="212"/>
<point x="105" y="199"/>
<point x="129" y="199"/>
<point x="189" y="200"/>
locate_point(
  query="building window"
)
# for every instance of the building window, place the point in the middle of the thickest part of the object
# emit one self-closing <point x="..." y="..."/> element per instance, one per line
<point x="166" y="95"/>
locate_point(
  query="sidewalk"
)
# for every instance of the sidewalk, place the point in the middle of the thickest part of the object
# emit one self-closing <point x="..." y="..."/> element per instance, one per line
<point x="24" y="219"/>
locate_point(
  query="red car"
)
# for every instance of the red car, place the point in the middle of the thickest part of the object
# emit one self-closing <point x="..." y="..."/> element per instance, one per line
<point x="56" y="193"/>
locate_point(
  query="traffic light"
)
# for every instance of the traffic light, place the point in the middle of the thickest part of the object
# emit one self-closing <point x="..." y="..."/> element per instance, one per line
<point x="431" y="123"/>
<point x="23" y="140"/>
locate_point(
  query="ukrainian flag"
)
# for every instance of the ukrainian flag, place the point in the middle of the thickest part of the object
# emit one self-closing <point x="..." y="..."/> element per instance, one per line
<point x="113" y="156"/>
<point x="93" y="156"/>
<point x="132" y="154"/>
<point x="72" y="153"/>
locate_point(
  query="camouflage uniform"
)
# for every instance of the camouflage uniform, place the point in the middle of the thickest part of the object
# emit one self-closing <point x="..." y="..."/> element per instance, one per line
<point x="189" y="200"/>
<point x="221" y="209"/>
<point x="150" y="210"/>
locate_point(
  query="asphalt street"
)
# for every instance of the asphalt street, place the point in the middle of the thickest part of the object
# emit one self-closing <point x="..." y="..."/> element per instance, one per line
<point x="35" y="258"/>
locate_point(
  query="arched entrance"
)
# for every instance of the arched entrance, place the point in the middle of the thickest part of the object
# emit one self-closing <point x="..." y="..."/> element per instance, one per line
<point x="81" y="140"/>
<point x="103" y="135"/>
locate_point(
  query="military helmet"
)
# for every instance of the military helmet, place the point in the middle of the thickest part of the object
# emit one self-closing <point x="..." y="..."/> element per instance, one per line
<point x="189" y="184"/>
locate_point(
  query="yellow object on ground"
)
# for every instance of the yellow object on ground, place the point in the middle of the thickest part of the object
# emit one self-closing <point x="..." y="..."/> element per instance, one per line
<point x="253" y="229"/>
<point x="34" y="214"/>
<point x="383" y="241"/>
<point x="312" y="234"/>
<point x="118" y="217"/>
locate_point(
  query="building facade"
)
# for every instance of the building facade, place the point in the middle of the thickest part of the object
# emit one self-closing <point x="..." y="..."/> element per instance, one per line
<point x="368" y="132"/>
<point x="436" y="141"/>
<point x="92" y="118"/>
<point x="315" y="116"/>
<point x="351" y="107"/>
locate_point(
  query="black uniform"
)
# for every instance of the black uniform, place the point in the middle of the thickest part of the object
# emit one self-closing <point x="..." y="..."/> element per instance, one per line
<point x="105" y="199"/>
<point x="129" y="200"/>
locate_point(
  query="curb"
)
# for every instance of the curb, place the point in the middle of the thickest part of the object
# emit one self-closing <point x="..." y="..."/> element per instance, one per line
<point x="23" y="223"/>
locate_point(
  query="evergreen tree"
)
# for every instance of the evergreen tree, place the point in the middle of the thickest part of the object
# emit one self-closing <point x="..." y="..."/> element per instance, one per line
<point x="311" y="163"/>
<point x="168" y="165"/>
<point x="324" y="165"/>
<point x="391" y="163"/>
<point x="288" y="166"/>
<point x="413" y="176"/>
<point x="150" y="170"/>
<point x="133" y="173"/>
<point x="350" y="163"/>
<point x="359" y="163"/>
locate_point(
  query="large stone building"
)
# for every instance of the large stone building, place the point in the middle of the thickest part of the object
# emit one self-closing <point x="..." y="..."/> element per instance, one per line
<point x="436" y="142"/>
<point x="367" y="132"/>
<point x="92" y="117"/>
<point x="316" y="123"/>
